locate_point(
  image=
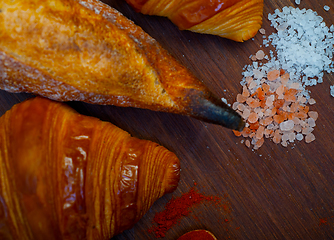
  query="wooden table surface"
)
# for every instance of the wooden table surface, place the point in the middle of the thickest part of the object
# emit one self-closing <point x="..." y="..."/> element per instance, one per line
<point x="275" y="192"/>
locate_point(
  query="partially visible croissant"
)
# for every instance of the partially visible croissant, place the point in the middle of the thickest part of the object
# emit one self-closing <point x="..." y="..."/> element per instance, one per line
<point x="68" y="176"/>
<point x="238" y="20"/>
<point x="87" y="51"/>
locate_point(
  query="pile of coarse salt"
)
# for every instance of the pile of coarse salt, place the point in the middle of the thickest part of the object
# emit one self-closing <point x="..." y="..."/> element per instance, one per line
<point x="303" y="44"/>
<point x="274" y="101"/>
<point x="275" y="109"/>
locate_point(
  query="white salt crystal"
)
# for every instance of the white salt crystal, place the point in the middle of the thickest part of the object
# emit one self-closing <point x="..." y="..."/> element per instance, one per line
<point x="285" y="137"/>
<point x="287" y="125"/>
<point x="307" y="130"/>
<point x="297" y="2"/>
<point x="224" y="100"/>
<point x="257" y="73"/>
<point x="326" y="8"/>
<point x="292" y="137"/>
<point x="332" y="90"/>
<point x="311" y="122"/>
<point x="303" y="42"/>
<point x="299" y="136"/>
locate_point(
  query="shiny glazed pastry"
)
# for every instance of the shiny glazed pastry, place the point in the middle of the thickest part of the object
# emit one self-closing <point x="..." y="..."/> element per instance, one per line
<point x="68" y="176"/>
<point x="238" y="20"/>
<point x="87" y="51"/>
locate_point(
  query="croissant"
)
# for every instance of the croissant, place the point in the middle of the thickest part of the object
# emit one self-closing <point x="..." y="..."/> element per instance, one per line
<point x="87" y="51"/>
<point x="238" y="20"/>
<point x="68" y="176"/>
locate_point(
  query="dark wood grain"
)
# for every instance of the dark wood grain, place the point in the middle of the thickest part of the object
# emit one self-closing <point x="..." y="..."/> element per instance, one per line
<point x="274" y="192"/>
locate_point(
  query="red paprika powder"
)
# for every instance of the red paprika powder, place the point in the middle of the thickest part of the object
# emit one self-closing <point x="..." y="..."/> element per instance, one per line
<point x="175" y="209"/>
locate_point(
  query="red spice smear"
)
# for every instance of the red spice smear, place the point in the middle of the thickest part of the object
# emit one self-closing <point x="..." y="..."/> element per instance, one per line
<point x="177" y="208"/>
<point x="322" y="221"/>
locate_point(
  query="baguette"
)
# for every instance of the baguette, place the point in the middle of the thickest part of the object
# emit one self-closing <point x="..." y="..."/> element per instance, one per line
<point x="69" y="50"/>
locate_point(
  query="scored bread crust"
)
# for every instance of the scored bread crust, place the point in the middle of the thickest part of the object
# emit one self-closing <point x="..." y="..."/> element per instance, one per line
<point x="87" y="51"/>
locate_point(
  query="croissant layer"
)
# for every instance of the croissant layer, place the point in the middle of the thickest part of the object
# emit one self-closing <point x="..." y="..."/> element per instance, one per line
<point x="238" y="20"/>
<point x="68" y="176"/>
<point x="87" y="51"/>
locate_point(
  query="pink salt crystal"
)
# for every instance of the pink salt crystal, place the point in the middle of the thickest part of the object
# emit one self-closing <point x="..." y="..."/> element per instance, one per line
<point x="252" y="85"/>
<point x="270" y="100"/>
<point x="297" y="128"/>
<point x="311" y="101"/>
<point x="277" y="136"/>
<point x="311" y="122"/>
<point x="285" y="78"/>
<point x="267" y="121"/>
<point x="294" y="106"/>
<point x="252" y="135"/>
<point x="247" y="143"/>
<point x="273" y="75"/>
<point x="301" y="99"/>
<point x="249" y="79"/>
<point x="253" y="117"/>
<point x="287" y="125"/>
<point x="267" y="132"/>
<point x="267" y="112"/>
<point x="245" y="134"/>
<point x="241" y="107"/>
<point x="235" y="105"/>
<point x="284" y="143"/>
<point x="259" y="143"/>
<point x="253" y="103"/>
<point x="285" y="137"/>
<point x="294" y="85"/>
<point x="241" y="98"/>
<point x="280" y="90"/>
<point x="309" y="138"/>
<point x="303" y="123"/>
<point x="313" y="114"/>
<point x="262" y="31"/>
<point x="260" y="55"/>
<point x="245" y="91"/>
<point x="307" y="130"/>
<point x="253" y="58"/>
<point x="259" y="132"/>
<point x="301" y="115"/>
<point x="246" y="113"/>
<point x="296" y="120"/>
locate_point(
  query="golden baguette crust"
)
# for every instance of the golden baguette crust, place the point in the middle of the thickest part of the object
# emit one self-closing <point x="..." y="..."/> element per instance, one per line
<point x="87" y="51"/>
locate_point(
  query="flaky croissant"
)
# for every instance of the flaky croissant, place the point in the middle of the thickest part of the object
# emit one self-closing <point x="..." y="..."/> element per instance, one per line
<point x="68" y="176"/>
<point x="87" y="51"/>
<point x="238" y="20"/>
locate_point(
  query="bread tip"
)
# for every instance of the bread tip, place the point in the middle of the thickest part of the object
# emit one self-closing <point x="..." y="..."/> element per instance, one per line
<point x="212" y="110"/>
